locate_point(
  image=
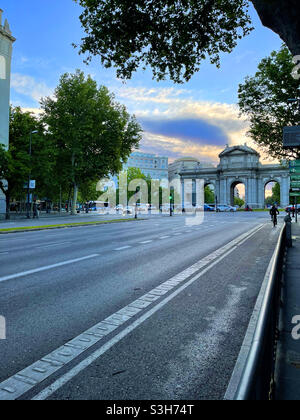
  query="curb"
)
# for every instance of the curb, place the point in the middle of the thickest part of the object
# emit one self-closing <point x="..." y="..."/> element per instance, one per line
<point x="248" y="342"/>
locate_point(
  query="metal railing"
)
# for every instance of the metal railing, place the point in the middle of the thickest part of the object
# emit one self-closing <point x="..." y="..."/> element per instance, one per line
<point x="257" y="378"/>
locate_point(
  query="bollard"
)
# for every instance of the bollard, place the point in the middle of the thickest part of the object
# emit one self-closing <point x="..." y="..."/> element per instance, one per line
<point x="289" y="240"/>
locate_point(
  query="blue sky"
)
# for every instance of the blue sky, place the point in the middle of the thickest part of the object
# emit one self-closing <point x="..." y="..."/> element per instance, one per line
<point x="197" y="118"/>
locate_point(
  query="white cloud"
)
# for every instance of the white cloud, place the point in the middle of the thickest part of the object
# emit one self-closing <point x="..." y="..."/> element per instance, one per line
<point x="179" y="104"/>
<point x="28" y="86"/>
<point x="173" y="104"/>
<point x="178" y="147"/>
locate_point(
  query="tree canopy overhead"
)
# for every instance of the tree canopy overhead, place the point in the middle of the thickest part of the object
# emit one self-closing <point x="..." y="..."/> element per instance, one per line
<point x="173" y="37"/>
<point x="264" y="99"/>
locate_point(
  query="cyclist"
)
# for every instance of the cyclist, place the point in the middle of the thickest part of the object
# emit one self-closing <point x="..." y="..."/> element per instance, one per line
<point x="274" y="212"/>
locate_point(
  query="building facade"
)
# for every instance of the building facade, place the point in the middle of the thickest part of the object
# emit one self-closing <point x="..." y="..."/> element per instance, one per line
<point x="241" y="165"/>
<point x="149" y="164"/>
<point x="180" y="164"/>
<point x="6" y="42"/>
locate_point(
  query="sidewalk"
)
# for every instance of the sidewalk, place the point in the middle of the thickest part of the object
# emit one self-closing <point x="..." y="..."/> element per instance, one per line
<point x="287" y="375"/>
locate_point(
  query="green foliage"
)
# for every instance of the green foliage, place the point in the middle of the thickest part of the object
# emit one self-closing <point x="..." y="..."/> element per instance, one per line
<point x="276" y="193"/>
<point x="238" y="202"/>
<point x="88" y="192"/>
<point x="135" y="174"/>
<point x="16" y="163"/>
<point x="209" y="195"/>
<point x="93" y="134"/>
<point x="171" y="37"/>
<point x="275" y="198"/>
<point x="264" y="97"/>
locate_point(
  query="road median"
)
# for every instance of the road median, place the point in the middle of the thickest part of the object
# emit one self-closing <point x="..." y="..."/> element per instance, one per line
<point x="62" y="226"/>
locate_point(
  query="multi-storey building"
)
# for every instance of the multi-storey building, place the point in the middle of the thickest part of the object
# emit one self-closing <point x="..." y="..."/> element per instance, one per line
<point x="149" y="164"/>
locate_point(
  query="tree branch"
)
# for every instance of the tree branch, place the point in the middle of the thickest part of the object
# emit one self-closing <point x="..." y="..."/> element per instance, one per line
<point x="283" y="18"/>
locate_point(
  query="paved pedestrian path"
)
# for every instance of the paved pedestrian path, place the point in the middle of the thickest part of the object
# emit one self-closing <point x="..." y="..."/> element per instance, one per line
<point x="288" y="355"/>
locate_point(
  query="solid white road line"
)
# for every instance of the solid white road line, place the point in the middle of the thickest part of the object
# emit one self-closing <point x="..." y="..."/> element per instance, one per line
<point x="47" y="267"/>
<point x="33" y="375"/>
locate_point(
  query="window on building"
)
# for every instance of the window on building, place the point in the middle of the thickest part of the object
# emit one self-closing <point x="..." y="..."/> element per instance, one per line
<point x="2" y="68"/>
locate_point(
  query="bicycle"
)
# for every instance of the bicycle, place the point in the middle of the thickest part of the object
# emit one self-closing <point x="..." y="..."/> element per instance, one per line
<point x="274" y="220"/>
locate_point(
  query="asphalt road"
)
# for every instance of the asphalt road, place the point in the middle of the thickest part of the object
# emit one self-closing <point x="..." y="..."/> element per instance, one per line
<point x="55" y="285"/>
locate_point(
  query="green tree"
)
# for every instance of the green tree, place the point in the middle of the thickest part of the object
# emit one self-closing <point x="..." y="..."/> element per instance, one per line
<point x="238" y="202"/>
<point x="174" y="37"/>
<point x="276" y="193"/>
<point x="16" y="164"/>
<point x="135" y="174"/>
<point x="209" y="195"/>
<point x="93" y="133"/>
<point x="88" y="192"/>
<point x="264" y="97"/>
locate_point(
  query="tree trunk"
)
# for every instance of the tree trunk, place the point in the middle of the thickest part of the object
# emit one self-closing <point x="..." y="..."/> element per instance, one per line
<point x="75" y="192"/>
<point x="283" y="18"/>
<point x="7" y="199"/>
<point x="74" y="204"/>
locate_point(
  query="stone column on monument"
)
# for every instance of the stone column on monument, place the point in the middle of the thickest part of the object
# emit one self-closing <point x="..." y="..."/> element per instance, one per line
<point x="6" y="42"/>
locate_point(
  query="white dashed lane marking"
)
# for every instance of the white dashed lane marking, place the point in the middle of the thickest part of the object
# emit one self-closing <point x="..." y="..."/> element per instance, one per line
<point x="33" y="375"/>
<point x="122" y="248"/>
<point x="47" y="267"/>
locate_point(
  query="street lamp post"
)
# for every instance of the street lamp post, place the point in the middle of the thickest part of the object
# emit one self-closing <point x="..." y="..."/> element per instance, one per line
<point x="29" y="177"/>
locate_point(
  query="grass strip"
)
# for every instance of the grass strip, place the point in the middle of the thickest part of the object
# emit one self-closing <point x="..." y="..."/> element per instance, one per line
<point x="63" y="225"/>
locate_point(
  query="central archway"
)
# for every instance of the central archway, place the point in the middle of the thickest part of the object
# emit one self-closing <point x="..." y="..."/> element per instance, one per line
<point x="272" y="193"/>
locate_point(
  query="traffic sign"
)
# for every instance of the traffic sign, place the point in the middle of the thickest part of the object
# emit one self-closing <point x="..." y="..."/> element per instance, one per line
<point x="295" y="194"/>
<point x="295" y="170"/>
<point x="295" y="178"/>
<point x="294" y="163"/>
<point x="295" y="185"/>
<point x="291" y="137"/>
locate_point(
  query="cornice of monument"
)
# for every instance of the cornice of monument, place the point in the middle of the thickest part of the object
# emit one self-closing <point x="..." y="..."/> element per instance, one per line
<point x="244" y="149"/>
<point x="5" y="29"/>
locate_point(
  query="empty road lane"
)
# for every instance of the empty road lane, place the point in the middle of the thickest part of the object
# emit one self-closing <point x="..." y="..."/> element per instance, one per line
<point x="150" y="310"/>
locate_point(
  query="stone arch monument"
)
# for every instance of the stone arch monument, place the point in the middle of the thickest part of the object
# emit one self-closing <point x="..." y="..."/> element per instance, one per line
<point x="241" y="165"/>
<point x="6" y="42"/>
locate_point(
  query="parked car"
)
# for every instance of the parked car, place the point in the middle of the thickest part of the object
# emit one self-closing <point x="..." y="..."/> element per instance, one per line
<point x="128" y="210"/>
<point x="207" y="207"/>
<point x="142" y="208"/>
<point x="152" y="207"/>
<point x="225" y="208"/>
<point x="165" y="208"/>
<point x="119" y="208"/>
<point x="291" y="208"/>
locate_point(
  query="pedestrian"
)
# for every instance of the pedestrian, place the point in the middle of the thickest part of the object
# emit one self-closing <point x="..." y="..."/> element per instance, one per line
<point x="35" y="211"/>
<point x="293" y="211"/>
